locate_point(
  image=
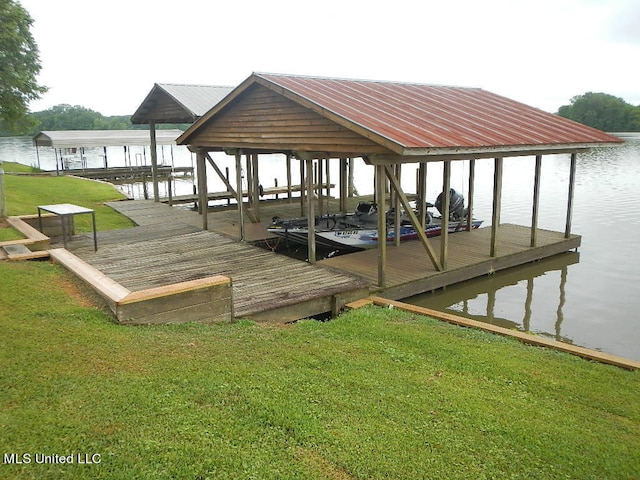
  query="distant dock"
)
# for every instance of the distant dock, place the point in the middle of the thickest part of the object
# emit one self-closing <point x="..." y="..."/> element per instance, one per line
<point x="121" y="174"/>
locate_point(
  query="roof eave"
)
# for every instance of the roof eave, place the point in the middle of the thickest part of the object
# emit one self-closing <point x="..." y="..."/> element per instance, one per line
<point x="413" y="155"/>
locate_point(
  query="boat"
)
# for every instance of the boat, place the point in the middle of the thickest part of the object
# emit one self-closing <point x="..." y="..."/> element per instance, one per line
<point x="358" y="230"/>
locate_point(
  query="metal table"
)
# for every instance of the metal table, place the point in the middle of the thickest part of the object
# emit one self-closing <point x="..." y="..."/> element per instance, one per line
<point x="65" y="211"/>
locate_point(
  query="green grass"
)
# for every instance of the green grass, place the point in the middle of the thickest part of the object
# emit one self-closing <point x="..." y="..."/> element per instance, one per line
<point x="9" y="233"/>
<point x="25" y="192"/>
<point x="373" y="394"/>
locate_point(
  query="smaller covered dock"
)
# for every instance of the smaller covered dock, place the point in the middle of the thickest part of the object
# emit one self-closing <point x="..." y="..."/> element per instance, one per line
<point x="71" y="144"/>
<point x="171" y="103"/>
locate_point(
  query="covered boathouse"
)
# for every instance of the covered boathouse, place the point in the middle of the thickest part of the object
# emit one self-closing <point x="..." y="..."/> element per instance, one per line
<point x="174" y="103"/>
<point x="389" y="124"/>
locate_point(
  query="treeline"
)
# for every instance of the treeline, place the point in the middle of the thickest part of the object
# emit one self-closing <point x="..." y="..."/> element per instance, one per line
<point x="68" y="117"/>
<point x="603" y="111"/>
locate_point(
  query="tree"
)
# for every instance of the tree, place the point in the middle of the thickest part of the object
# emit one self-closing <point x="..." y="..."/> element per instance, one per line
<point x="19" y="66"/>
<point x="602" y="111"/>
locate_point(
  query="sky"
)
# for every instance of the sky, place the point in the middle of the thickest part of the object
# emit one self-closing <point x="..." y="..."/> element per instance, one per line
<point x="106" y="55"/>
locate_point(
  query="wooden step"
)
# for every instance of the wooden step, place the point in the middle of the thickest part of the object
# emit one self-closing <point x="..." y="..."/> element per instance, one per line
<point x="18" y="251"/>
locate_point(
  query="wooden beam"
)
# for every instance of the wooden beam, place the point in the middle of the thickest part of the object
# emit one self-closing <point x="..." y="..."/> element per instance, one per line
<point x="380" y="183"/>
<point x="222" y="176"/>
<point x="421" y="190"/>
<point x="536" y="201"/>
<point x="497" y="202"/>
<point x="288" y="162"/>
<point x="572" y="184"/>
<point x="255" y="188"/>
<point x="239" y="198"/>
<point x="444" y="230"/>
<point x="303" y="188"/>
<point x="343" y="185"/>
<point x="203" y="203"/>
<point x="412" y="216"/>
<point x="396" y="207"/>
<point x="438" y="155"/>
<point x="318" y="183"/>
<point x="350" y="189"/>
<point x="472" y="182"/>
<point x="311" y="221"/>
<point x="154" y="161"/>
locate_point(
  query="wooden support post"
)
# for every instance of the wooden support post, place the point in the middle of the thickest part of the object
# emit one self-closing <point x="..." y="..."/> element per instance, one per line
<point x="239" y="198"/>
<point x="203" y="193"/>
<point x="343" y="185"/>
<point x="319" y="182"/>
<point x="255" y="188"/>
<point x="446" y="192"/>
<point x="311" y="223"/>
<point x="472" y="182"/>
<point x="396" y="207"/>
<point x="327" y="165"/>
<point x="536" y="201"/>
<point x="572" y="184"/>
<point x="497" y="203"/>
<point x="421" y="190"/>
<point x="249" y="175"/>
<point x="380" y="183"/>
<point x="154" y="161"/>
<point x="302" y="188"/>
<point x="289" y="190"/>
<point x="350" y="181"/>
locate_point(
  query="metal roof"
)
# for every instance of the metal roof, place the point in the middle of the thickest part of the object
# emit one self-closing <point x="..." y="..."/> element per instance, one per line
<point x="103" y="138"/>
<point x="421" y="119"/>
<point x="187" y="102"/>
<point x="419" y="116"/>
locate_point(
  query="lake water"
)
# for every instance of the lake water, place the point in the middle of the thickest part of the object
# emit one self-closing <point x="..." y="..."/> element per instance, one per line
<point x="588" y="298"/>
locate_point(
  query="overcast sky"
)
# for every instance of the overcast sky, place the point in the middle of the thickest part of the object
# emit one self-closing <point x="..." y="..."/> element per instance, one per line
<point x="106" y="55"/>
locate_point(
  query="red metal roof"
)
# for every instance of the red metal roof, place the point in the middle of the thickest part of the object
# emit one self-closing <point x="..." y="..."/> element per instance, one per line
<point x="418" y="116"/>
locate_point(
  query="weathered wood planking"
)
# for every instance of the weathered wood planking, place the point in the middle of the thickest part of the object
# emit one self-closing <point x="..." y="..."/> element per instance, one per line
<point x="262" y="280"/>
<point x="171" y="247"/>
<point x="410" y="272"/>
<point x="271" y="119"/>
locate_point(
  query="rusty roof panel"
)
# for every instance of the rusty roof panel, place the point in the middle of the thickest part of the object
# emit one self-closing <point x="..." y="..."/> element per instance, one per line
<point x="419" y="116"/>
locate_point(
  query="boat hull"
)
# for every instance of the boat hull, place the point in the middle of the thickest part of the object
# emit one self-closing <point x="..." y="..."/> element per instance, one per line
<point x="356" y="239"/>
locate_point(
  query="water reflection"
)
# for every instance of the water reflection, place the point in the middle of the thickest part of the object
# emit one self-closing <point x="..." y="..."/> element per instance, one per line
<point x="504" y="297"/>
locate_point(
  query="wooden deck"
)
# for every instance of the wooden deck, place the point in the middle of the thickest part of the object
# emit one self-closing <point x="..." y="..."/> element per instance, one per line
<point x="168" y="249"/>
<point x="410" y="272"/>
<point x="169" y="246"/>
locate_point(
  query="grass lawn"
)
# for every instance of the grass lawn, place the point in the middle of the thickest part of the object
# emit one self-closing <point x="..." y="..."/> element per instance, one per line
<point x="25" y="192"/>
<point x="373" y="394"/>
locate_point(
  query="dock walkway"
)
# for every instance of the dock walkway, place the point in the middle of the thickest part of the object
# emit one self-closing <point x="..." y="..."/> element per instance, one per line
<point x="167" y="247"/>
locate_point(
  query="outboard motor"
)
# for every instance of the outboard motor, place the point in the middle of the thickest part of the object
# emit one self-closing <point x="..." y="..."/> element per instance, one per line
<point x="366" y="208"/>
<point x="456" y="205"/>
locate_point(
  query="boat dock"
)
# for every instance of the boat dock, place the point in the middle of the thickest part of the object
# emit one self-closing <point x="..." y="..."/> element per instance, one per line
<point x="168" y="246"/>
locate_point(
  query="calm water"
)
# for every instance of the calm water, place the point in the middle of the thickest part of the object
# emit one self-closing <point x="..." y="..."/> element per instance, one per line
<point x="589" y="298"/>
